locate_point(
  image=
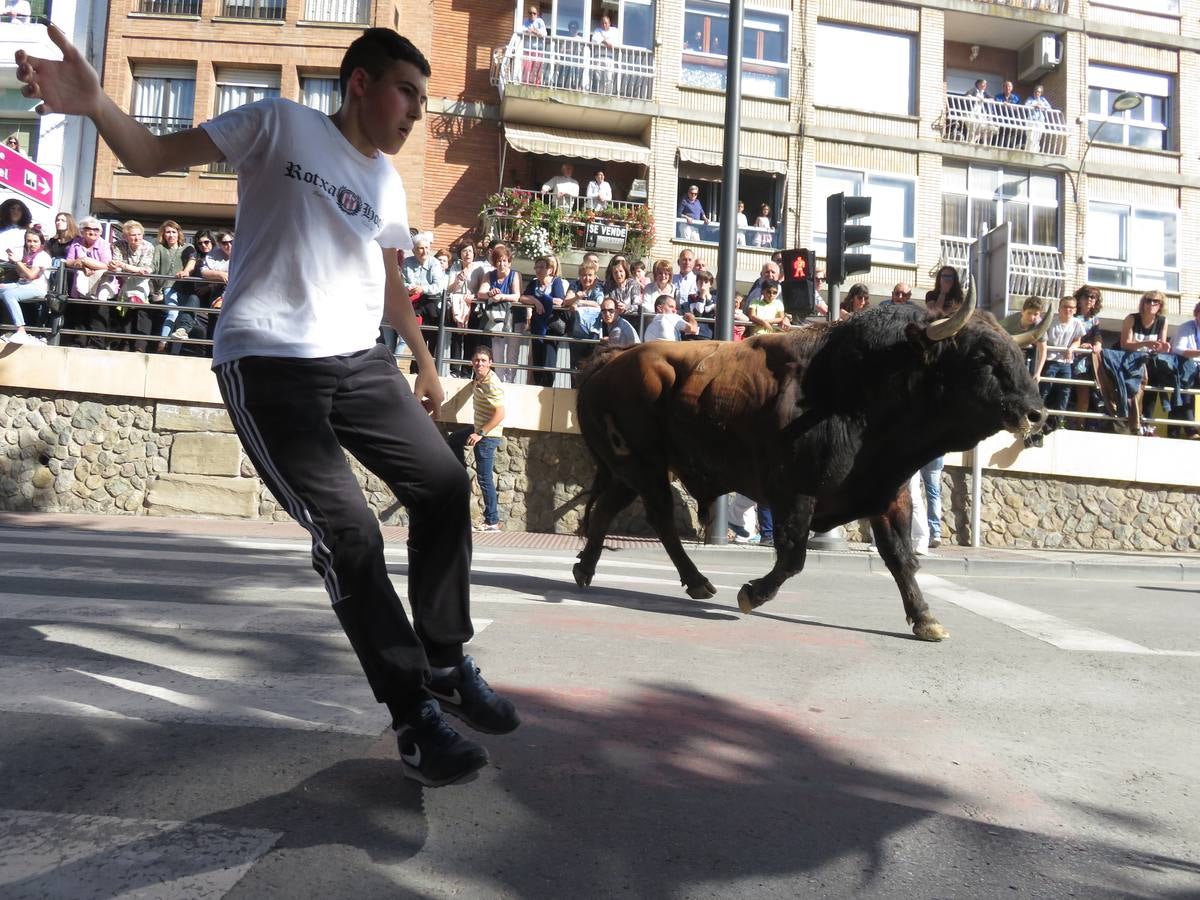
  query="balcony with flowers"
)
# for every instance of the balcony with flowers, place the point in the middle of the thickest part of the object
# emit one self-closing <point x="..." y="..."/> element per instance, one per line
<point x="536" y="223"/>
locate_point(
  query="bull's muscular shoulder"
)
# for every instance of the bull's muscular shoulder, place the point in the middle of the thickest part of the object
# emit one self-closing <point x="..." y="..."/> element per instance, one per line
<point x="724" y="380"/>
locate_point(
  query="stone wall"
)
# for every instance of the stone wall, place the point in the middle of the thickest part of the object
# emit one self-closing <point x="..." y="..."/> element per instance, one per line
<point x="107" y="455"/>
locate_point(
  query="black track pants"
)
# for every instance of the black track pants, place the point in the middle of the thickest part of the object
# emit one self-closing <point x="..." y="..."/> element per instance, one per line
<point x="294" y="416"/>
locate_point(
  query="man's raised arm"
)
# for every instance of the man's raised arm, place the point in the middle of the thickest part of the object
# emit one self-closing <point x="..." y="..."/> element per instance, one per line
<point x="72" y="87"/>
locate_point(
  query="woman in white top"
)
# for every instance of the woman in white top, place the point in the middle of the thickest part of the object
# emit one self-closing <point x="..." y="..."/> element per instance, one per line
<point x="15" y="218"/>
<point x="599" y="191"/>
<point x="31" y="267"/>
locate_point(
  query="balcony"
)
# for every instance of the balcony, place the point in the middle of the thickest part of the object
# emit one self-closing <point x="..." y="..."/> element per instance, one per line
<point x="1047" y="6"/>
<point x="1005" y="126"/>
<point x="348" y="12"/>
<point x="545" y="81"/>
<point x="535" y="223"/>
<point x="169" y="7"/>
<point x="160" y="125"/>
<point x="255" y="10"/>
<point x="710" y="233"/>
<point x="1032" y="271"/>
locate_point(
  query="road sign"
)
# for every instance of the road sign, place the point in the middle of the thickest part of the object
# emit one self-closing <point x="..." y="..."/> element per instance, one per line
<point x="26" y="177"/>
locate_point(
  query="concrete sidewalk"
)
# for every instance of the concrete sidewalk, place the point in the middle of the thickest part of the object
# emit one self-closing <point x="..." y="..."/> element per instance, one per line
<point x="946" y="560"/>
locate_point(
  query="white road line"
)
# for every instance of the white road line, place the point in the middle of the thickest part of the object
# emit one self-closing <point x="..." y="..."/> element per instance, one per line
<point x="76" y="855"/>
<point x="155" y="693"/>
<point x="1043" y="626"/>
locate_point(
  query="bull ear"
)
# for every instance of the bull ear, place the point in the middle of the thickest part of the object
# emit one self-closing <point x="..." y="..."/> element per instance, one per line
<point x="919" y="341"/>
<point x="947" y="328"/>
<point x="1035" y="334"/>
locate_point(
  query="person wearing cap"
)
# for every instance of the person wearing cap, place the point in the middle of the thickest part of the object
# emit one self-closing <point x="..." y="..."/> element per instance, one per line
<point x="88" y="257"/>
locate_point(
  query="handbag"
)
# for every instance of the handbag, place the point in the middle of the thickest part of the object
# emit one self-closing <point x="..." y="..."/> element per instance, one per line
<point x="495" y="315"/>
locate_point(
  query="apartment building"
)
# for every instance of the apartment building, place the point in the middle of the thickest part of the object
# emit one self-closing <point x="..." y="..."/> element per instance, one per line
<point x="1099" y="183"/>
<point x="63" y="148"/>
<point x="173" y="64"/>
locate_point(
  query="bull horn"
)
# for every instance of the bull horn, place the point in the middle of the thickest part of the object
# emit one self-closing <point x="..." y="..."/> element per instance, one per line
<point x="1035" y="334"/>
<point x="948" y="328"/>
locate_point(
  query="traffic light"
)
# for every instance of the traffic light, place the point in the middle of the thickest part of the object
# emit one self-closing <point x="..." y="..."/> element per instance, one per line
<point x="799" y="283"/>
<point x="840" y="236"/>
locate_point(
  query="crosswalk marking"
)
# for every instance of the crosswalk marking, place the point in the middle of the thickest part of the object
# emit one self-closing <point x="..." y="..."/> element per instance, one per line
<point x="45" y="854"/>
<point x="1035" y="623"/>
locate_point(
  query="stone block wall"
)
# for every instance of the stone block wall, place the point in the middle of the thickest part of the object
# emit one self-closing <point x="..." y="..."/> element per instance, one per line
<point x="107" y="455"/>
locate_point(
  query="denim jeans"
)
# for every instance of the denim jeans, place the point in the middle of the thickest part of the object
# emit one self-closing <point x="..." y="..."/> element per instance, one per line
<point x="1055" y="396"/>
<point x="931" y="478"/>
<point x="13" y="295"/>
<point x="485" y="460"/>
<point x="171" y="311"/>
<point x="766" y="522"/>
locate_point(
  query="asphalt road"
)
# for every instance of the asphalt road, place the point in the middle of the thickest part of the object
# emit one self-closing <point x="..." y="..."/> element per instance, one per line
<point x="181" y="717"/>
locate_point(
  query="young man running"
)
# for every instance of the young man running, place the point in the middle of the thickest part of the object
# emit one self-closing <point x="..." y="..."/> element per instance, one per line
<point x="303" y="378"/>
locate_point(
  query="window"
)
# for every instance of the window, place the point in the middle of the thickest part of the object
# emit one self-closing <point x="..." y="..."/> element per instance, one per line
<point x="26" y="131"/>
<point x="893" y="210"/>
<point x="349" y="11"/>
<point x="1158" y="7"/>
<point x="977" y="198"/>
<point x="163" y="96"/>
<point x="1148" y="126"/>
<point x="237" y="87"/>
<point x="633" y="19"/>
<point x="842" y="51"/>
<point x="754" y="189"/>
<point x="764" y="51"/>
<point x="321" y="93"/>
<point x="1130" y="247"/>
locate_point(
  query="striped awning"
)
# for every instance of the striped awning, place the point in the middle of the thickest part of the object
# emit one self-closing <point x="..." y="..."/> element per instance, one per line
<point x="716" y="159"/>
<point x="579" y="144"/>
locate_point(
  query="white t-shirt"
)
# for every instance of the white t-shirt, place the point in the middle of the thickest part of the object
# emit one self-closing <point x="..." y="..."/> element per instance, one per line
<point x="41" y="260"/>
<point x="306" y="279"/>
<point x="665" y="327"/>
<point x="1063" y="334"/>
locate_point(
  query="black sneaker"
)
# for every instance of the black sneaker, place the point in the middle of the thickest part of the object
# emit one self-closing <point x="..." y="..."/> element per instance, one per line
<point x="432" y="752"/>
<point x="463" y="693"/>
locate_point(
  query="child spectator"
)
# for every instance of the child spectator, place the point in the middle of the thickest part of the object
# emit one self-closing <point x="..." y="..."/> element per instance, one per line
<point x="31" y="267"/>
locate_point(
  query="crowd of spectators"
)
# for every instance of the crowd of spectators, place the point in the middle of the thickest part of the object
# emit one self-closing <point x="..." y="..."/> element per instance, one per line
<point x="126" y="291"/>
<point x="1003" y="119"/>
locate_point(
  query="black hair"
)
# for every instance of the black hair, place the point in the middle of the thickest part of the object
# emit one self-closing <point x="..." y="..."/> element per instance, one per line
<point x="203" y="233"/>
<point x="6" y="212"/>
<point x="767" y="285"/>
<point x="376" y="49"/>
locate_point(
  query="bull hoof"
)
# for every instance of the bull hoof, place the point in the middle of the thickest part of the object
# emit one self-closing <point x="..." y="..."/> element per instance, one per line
<point x="582" y="576"/>
<point x="930" y="631"/>
<point x="701" y="590"/>
<point x="747" y="602"/>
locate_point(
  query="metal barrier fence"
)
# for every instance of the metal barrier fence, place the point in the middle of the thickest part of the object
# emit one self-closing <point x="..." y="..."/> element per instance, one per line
<point x="513" y="357"/>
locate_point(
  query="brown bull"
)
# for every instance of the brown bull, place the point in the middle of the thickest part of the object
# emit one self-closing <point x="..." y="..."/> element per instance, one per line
<point x="825" y="425"/>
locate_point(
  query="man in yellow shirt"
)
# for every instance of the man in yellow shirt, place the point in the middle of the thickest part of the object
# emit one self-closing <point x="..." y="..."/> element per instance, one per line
<point x="487" y="397"/>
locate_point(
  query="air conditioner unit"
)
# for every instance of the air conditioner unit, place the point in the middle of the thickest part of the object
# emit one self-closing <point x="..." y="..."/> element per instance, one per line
<point x="1038" y="57"/>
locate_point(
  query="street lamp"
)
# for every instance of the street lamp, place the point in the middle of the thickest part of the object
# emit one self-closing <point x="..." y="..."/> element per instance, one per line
<point x="1123" y="102"/>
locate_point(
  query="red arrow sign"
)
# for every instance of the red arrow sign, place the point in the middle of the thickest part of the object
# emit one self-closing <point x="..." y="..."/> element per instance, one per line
<point x="26" y="177"/>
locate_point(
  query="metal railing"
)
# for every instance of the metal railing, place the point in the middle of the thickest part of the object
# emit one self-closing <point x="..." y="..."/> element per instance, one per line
<point x="269" y="10"/>
<point x="710" y="233"/>
<point x="220" y="168"/>
<point x="1049" y="6"/>
<point x="351" y="12"/>
<point x="1009" y="126"/>
<point x="161" y="125"/>
<point x="170" y="7"/>
<point x="575" y="64"/>
<point x="1033" y="270"/>
<point x="502" y="223"/>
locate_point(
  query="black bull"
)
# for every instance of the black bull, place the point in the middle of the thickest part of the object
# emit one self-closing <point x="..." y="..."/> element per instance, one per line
<point x="825" y="425"/>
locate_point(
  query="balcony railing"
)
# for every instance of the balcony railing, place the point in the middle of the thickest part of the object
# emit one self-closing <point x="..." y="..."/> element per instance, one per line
<point x="575" y="64"/>
<point x="170" y="7"/>
<point x="1033" y="270"/>
<point x="710" y="233"/>
<point x="268" y="10"/>
<point x="351" y="12"/>
<point x="1048" y="6"/>
<point x="991" y="123"/>
<point x="160" y="125"/>
<point x="513" y="215"/>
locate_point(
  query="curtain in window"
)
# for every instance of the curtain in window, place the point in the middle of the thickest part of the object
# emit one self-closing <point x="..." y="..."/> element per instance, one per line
<point x="164" y="98"/>
<point x="231" y="96"/>
<point x="335" y="10"/>
<point x="323" y="94"/>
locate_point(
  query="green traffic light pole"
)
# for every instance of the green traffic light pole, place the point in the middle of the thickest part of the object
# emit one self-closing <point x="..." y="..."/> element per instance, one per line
<point x="718" y="515"/>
